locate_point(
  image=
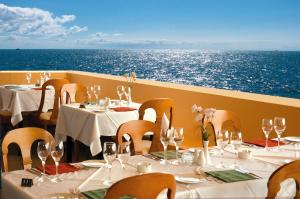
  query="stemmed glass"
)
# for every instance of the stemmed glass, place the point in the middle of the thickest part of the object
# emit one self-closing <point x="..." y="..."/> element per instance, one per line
<point x="279" y="126"/>
<point x="120" y="92"/>
<point x="57" y="152"/>
<point x="109" y="154"/>
<point x="267" y="127"/>
<point x="43" y="151"/>
<point x="89" y="94"/>
<point x="165" y="136"/>
<point x="28" y="78"/>
<point x="124" y="153"/>
<point x="96" y="91"/>
<point x="127" y="93"/>
<point x="236" y="141"/>
<point x="177" y="135"/>
<point x="222" y="142"/>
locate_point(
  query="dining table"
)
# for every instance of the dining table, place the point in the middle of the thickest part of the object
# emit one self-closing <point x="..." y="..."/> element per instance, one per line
<point x="18" y="99"/>
<point x="192" y="180"/>
<point x="87" y="124"/>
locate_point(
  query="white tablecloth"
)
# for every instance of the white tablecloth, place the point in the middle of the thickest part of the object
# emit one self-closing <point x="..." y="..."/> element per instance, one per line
<point x="87" y="126"/>
<point x="206" y="189"/>
<point x="21" y="100"/>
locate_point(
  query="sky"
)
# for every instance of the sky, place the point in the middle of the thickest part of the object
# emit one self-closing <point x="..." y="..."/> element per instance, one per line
<point x="192" y="24"/>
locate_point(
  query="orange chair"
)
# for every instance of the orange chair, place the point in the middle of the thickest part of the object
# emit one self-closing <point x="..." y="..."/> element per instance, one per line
<point x="147" y="186"/>
<point x="136" y="130"/>
<point x="290" y="170"/>
<point x="50" y="117"/>
<point x="161" y="106"/>
<point x="73" y="92"/>
<point x="24" y="137"/>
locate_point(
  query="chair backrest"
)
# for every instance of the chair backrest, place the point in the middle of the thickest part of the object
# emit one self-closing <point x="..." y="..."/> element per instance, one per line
<point x="136" y="130"/>
<point x="57" y="84"/>
<point x="290" y="170"/>
<point x="222" y="116"/>
<point x="161" y="106"/>
<point x="24" y="137"/>
<point x="73" y="92"/>
<point x="146" y="186"/>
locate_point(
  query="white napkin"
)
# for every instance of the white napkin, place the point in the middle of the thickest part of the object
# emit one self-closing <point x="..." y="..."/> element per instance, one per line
<point x="287" y="189"/>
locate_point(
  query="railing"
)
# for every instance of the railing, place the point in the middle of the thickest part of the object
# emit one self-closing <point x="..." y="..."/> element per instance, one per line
<point x="250" y="108"/>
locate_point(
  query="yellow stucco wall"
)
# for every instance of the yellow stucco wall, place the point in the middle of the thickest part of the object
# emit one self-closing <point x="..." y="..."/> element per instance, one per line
<point x="250" y="108"/>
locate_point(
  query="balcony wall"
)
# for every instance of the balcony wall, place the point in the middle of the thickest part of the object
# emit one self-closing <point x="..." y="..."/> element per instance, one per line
<point x="250" y="108"/>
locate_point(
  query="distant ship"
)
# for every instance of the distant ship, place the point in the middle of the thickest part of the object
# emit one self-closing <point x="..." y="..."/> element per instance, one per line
<point x="18" y="49"/>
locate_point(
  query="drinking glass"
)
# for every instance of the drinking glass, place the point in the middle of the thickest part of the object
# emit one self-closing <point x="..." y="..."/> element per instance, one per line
<point x="96" y="91"/>
<point x="165" y="140"/>
<point x="267" y="127"/>
<point x="279" y="126"/>
<point x="57" y="152"/>
<point x="120" y="92"/>
<point x="127" y="93"/>
<point x="124" y="153"/>
<point x="43" y="151"/>
<point x="109" y="154"/>
<point x="177" y="140"/>
<point x="89" y="95"/>
<point x="28" y="78"/>
<point x="236" y="141"/>
<point x="222" y="142"/>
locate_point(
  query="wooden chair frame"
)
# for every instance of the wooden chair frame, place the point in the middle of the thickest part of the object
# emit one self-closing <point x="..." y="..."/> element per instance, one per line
<point x="69" y="93"/>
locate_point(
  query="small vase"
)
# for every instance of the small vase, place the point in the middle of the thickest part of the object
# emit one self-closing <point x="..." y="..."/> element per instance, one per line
<point x="206" y="153"/>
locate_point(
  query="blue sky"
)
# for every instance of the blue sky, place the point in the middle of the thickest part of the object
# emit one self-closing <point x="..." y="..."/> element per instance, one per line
<point x="202" y="24"/>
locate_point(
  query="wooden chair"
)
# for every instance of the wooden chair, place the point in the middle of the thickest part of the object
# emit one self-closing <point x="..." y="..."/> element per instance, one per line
<point x="136" y="130"/>
<point x="50" y="117"/>
<point x="73" y="92"/>
<point x="24" y="137"/>
<point x="147" y="186"/>
<point x="221" y="117"/>
<point x="290" y="170"/>
<point x="161" y="106"/>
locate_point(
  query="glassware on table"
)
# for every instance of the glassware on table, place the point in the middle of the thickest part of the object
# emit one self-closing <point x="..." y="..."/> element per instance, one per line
<point x="127" y="93"/>
<point x="222" y="142"/>
<point x="96" y="91"/>
<point x="57" y="152"/>
<point x="279" y="126"/>
<point x="267" y="127"/>
<point x="43" y="151"/>
<point x="89" y="94"/>
<point x="177" y="136"/>
<point x="28" y="78"/>
<point x="124" y="153"/>
<point x="165" y="138"/>
<point x="120" y="92"/>
<point x="109" y="154"/>
<point x="236" y="141"/>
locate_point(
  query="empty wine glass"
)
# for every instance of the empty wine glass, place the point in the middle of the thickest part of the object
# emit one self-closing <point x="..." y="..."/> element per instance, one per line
<point x="177" y="140"/>
<point x="236" y="141"/>
<point x="165" y="140"/>
<point x="279" y="126"/>
<point x="57" y="152"/>
<point x="43" y="151"/>
<point x="124" y="153"/>
<point x="120" y="92"/>
<point x="96" y="91"/>
<point x="127" y="93"/>
<point x="222" y="142"/>
<point x="109" y="154"/>
<point x="89" y="95"/>
<point x="267" y="127"/>
<point x="28" y="78"/>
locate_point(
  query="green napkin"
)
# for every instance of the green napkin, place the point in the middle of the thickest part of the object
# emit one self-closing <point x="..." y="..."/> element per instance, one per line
<point x="99" y="194"/>
<point x="231" y="175"/>
<point x="169" y="154"/>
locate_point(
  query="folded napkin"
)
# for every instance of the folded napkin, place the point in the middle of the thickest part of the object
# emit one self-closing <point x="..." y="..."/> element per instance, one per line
<point x="231" y="175"/>
<point x="169" y="154"/>
<point x="123" y="109"/>
<point x="262" y="142"/>
<point x="62" y="168"/>
<point x="99" y="194"/>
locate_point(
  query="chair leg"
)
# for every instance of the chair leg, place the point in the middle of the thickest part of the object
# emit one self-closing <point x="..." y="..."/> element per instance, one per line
<point x="45" y="127"/>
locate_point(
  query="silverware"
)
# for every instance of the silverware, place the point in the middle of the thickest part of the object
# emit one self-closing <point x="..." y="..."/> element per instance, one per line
<point x="153" y="157"/>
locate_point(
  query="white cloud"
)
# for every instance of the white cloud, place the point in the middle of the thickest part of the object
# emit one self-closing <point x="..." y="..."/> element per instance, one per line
<point x="34" y="22"/>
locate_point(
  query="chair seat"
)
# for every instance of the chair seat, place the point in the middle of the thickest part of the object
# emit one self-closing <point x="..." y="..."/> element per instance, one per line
<point x="5" y="113"/>
<point x="146" y="144"/>
<point x="45" y="116"/>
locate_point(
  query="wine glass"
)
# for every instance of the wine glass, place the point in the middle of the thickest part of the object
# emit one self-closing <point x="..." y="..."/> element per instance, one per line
<point x="127" y="93"/>
<point x="236" y="141"/>
<point x="89" y="95"/>
<point x="96" y="91"/>
<point x="57" y="152"/>
<point x="124" y="153"/>
<point x="279" y="126"/>
<point x="267" y="127"/>
<point x="28" y="78"/>
<point x="222" y="142"/>
<point x="165" y="140"/>
<point x="177" y="140"/>
<point x="120" y="92"/>
<point x="43" y="151"/>
<point x="109" y="155"/>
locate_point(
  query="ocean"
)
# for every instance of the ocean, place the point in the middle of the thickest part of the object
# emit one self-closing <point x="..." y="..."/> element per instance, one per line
<point x="266" y="72"/>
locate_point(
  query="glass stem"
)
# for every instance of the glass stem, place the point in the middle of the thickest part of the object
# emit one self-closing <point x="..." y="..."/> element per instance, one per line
<point x="44" y="170"/>
<point x="267" y="137"/>
<point x="109" y="174"/>
<point x="278" y="141"/>
<point x="56" y="169"/>
<point x="165" y="153"/>
<point x="177" y="148"/>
